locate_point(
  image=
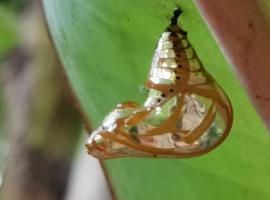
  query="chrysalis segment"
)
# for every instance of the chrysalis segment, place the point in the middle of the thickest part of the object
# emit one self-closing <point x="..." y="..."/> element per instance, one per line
<point x="186" y="113"/>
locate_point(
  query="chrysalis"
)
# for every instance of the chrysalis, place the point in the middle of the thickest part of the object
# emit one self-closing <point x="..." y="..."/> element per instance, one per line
<point x="186" y="113"/>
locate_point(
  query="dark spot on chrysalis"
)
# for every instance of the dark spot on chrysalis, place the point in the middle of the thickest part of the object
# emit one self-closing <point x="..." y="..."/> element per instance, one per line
<point x="173" y="34"/>
<point x="171" y="90"/>
<point x="163" y="95"/>
<point x="179" y="66"/>
<point x="133" y="130"/>
<point x="158" y="100"/>
<point x="176" y="137"/>
<point x="177" y="77"/>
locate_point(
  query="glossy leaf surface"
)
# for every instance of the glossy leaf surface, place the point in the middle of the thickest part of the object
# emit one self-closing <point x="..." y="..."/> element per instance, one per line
<point x="106" y="48"/>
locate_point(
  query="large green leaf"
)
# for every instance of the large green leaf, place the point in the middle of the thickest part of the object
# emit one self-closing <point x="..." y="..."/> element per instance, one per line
<point x="106" y="48"/>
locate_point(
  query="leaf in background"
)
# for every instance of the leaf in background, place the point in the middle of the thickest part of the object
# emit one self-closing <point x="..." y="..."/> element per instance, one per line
<point x="8" y="38"/>
<point x="106" y="48"/>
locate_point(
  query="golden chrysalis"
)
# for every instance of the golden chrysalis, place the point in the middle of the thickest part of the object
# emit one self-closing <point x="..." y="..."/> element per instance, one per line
<point x="186" y="112"/>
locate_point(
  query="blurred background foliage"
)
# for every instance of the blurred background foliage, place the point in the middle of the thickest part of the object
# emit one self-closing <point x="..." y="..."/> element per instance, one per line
<point x="8" y="39"/>
<point x="7" y="29"/>
<point x="39" y="126"/>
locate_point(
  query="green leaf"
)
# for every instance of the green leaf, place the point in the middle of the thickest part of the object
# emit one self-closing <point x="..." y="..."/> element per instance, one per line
<point x="106" y="48"/>
<point x="8" y="38"/>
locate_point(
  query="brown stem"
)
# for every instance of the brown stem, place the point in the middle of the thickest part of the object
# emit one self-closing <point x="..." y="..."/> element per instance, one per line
<point x="242" y="30"/>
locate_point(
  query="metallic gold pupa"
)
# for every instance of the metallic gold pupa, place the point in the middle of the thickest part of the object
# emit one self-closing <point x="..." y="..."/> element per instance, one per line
<point x="186" y="113"/>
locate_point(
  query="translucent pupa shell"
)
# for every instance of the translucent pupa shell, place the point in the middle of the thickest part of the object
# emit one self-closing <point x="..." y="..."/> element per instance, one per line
<point x="186" y="112"/>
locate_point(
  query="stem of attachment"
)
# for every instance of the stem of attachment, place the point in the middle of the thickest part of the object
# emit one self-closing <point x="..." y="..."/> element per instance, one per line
<point x="176" y="13"/>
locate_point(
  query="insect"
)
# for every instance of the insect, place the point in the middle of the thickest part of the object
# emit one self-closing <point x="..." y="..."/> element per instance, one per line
<point x="186" y="112"/>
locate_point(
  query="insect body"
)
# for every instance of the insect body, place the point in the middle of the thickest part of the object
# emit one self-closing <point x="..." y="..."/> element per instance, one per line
<point x="186" y="113"/>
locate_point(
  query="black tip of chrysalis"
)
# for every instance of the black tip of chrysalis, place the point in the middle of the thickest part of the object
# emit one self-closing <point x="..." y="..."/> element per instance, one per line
<point x="176" y="13"/>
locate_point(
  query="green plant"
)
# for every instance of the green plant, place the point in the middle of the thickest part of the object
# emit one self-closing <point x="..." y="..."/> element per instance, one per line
<point x="106" y="48"/>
